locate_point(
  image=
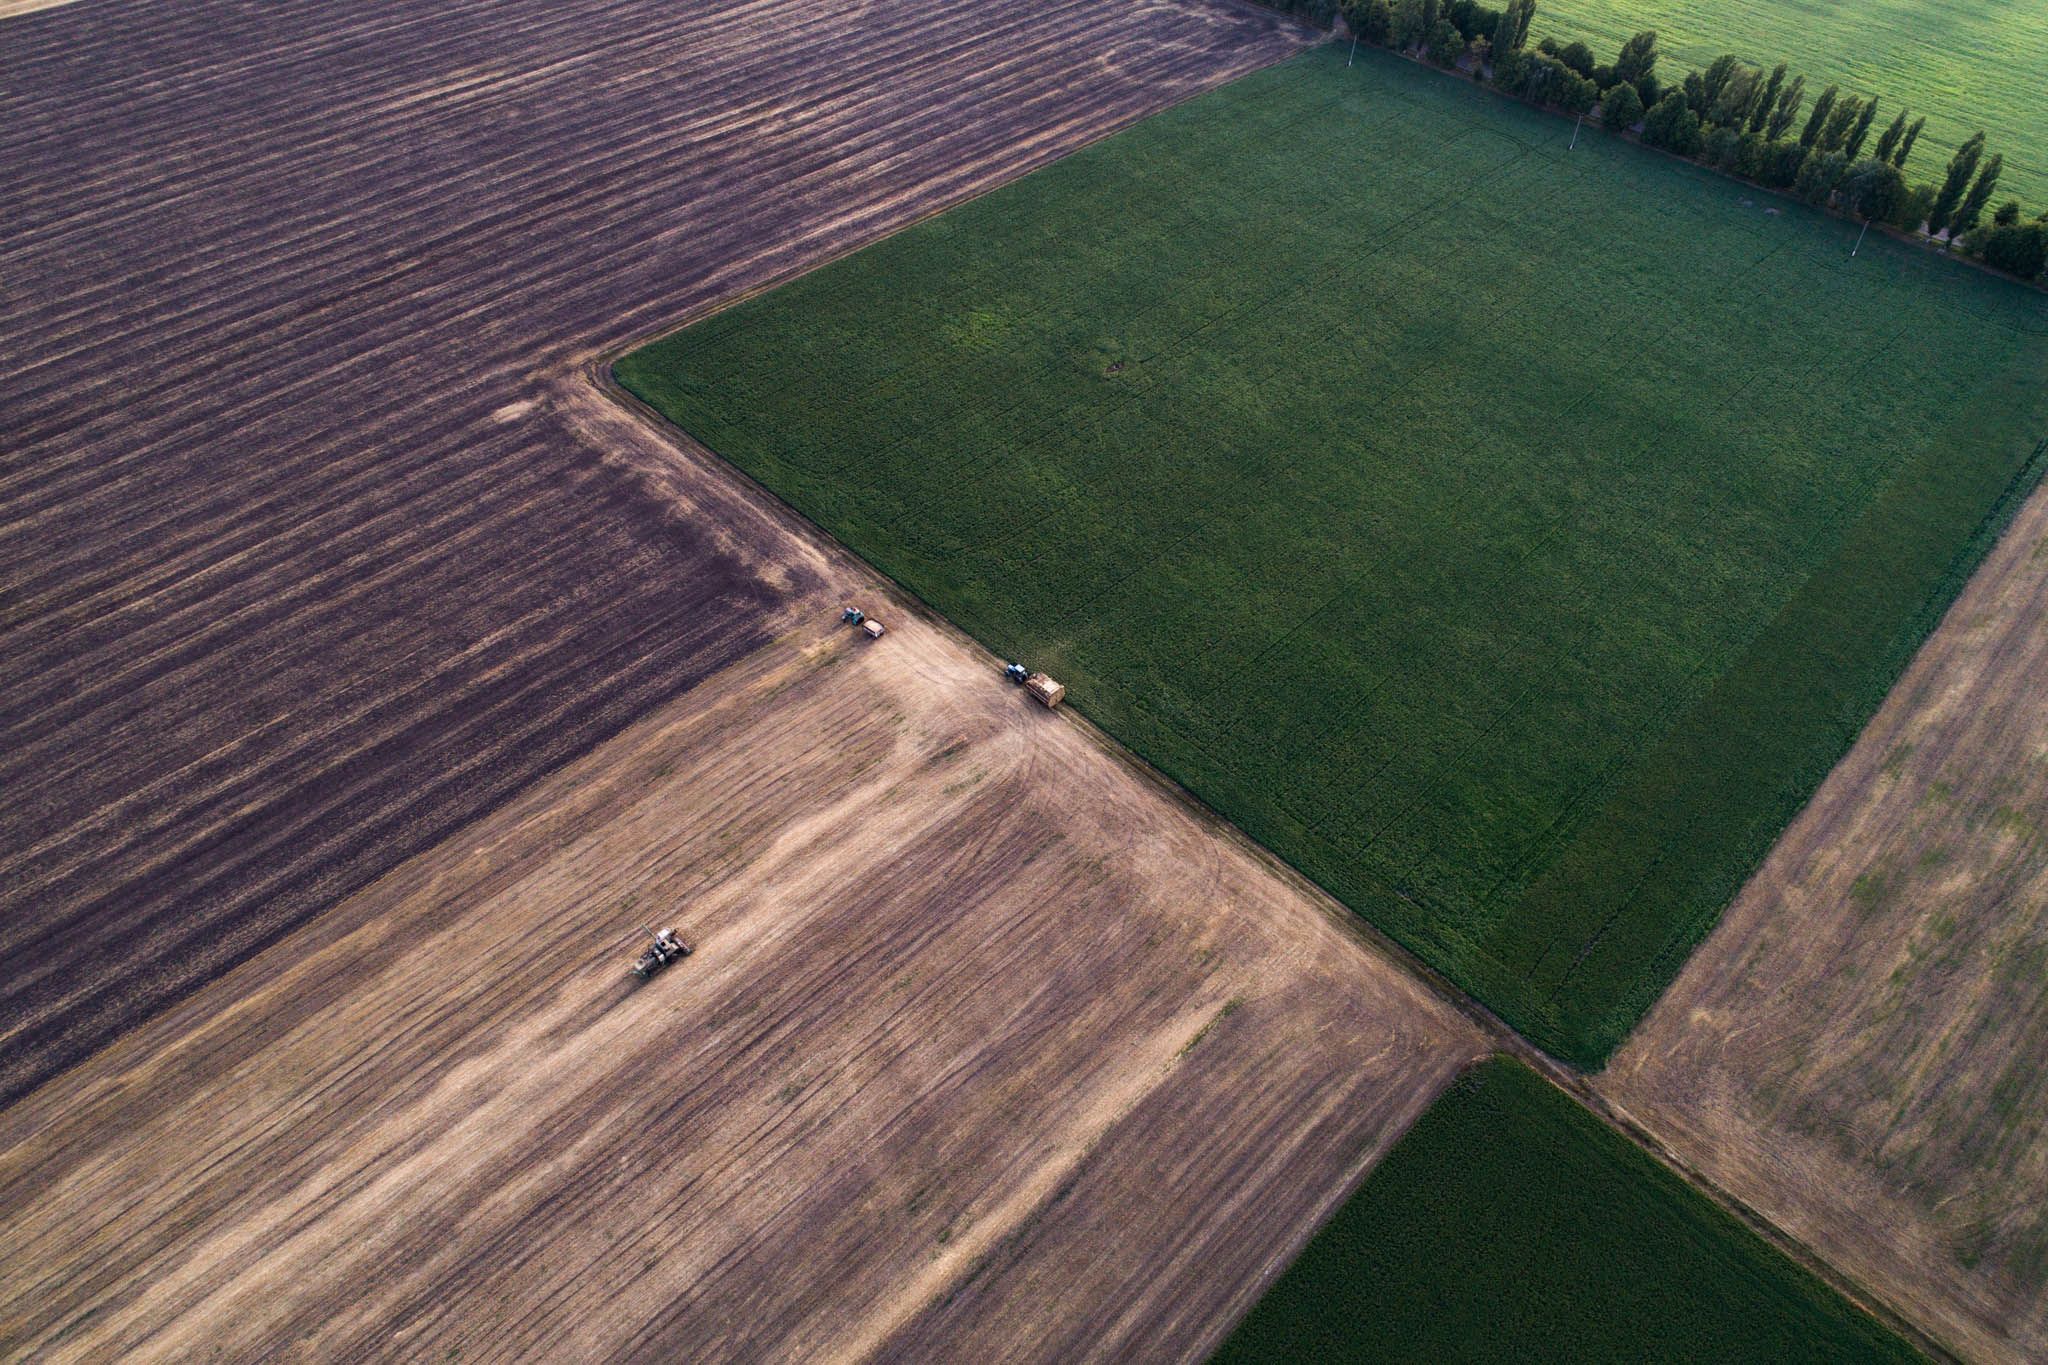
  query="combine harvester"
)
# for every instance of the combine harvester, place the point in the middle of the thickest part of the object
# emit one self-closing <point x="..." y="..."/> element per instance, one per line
<point x="667" y="948"/>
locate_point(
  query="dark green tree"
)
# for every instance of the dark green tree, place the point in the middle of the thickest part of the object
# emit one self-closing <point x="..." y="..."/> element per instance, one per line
<point x="1888" y="141"/>
<point x="1961" y="167"/>
<point x="1873" y="189"/>
<point x="1749" y="155"/>
<point x="1766" y="100"/>
<point x="1860" y="131"/>
<point x="1623" y="107"/>
<point x="1786" y="110"/>
<point x="1502" y="39"/>
<point x="2018" y="248"/>
<point x="1578" y="57"/>
<point x="1980" y="194"/>
<point x="1818" y="119"/>
<point x="1673" y="126"/>
<point x="1906" y="143"/>
<point x="1638" y="59"/>
<point x="1513" y="29"/>
<point x="1414" y="20"/>
<point x="1482" y="23"/>
<point x="1510" y="68"/>
<point x="1731" y="106"/>
<point x="1550" y="81"/>
<point x="1819" y="176"/>
<point x="1445" y="44"/>
<point x="1714" y="81"/>
<point x="1840" y="120"/>
<point x="1580" y="94"/>
<point x="1779" y="165"/>
<point x="1721" y="146"/>
<point x="2008" y="214"/>
<point x="1695" y="88"/>
<point x="1371" y="20"/>
<point x="1913" y="210"/>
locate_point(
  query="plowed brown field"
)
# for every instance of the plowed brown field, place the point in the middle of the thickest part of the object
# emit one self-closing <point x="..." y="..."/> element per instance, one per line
<point x="1859" y="1050"/>
<point x="991" y="1047"/>
<point x="295" y="577"/>
<point x="320" y="546"/>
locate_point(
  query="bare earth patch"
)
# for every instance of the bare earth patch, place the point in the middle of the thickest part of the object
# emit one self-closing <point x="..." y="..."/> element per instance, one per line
<point x="990" y="1044"/>
<point x="1858" y="1051"/>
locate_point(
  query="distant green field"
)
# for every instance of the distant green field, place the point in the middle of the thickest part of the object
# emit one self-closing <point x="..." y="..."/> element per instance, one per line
<point x="1511" y="539"/>
<point x="1511" y="1225"/>
<point x="1966" y="64"/>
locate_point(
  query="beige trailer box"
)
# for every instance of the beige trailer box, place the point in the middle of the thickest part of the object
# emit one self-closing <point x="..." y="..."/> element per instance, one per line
<point x="1044" y="690"/>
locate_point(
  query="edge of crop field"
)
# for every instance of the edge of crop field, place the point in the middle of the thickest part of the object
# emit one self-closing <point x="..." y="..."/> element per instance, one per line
<point x="600" y="369"/>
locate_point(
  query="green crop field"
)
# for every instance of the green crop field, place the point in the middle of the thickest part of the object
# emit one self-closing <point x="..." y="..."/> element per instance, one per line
<point x="1965" y="64"/>
<point x="1509" y="1224"/>
<point x="1509" y="537"/>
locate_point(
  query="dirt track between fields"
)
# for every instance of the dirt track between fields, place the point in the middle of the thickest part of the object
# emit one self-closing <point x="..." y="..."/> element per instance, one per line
<point x="295" y="578"/>
<point x="1858" y="1051"/>
<point x="990" y="1048"/>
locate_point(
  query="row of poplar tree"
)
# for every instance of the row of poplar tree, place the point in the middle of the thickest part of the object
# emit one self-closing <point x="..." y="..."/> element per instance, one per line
<point x="1734" y="117"/>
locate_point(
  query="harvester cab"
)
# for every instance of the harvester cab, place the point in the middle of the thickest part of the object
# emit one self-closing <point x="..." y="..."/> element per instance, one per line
<point x="666" y="948"/>
<point x="1016" y="673"/>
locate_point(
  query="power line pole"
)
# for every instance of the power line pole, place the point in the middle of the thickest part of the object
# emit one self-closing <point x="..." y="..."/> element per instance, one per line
<point x="1575" y="132"/>
<point x="1354" y="51"/>
<point x="1860" y="236"/>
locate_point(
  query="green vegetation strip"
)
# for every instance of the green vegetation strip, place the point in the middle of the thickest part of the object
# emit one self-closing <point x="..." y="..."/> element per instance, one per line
<point x="1510" y="537"/>
<point x="1966" y="64"/>
<point x="1510" y="1224"/>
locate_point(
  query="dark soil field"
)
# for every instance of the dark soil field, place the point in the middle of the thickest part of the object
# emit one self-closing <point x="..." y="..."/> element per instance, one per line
<point x="300" y="570"/>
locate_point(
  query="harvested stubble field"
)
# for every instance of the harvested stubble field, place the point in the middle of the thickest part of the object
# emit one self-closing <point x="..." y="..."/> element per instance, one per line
<point x="1859" y="1051"/>
<point x="1964" y="64"/>
<point x="990" y="1049"/>
<point x="296" y="575"/>
<point x="1511" y="1225"/>
<point x="1509" y="538"/>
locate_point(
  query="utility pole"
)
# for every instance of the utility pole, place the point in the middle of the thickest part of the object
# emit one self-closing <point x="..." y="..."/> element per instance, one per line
<point x="1860" y="236"/>
<point x="1575" y="132"/>
<point x="1354" y="51"/>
